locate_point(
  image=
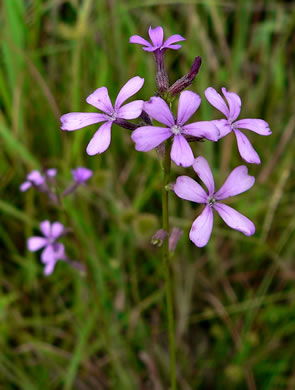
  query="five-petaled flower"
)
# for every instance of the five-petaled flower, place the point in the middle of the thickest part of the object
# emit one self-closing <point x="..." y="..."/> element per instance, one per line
<point x="232" y="111"/>
<point x="36" y="179"/>
<point x="237" y="182"/>
<point x="101" y="100"/>
<point x="53" y="250"/>
<point x="148" y="137"/>
<point x="81" y="175"/>
<point x="157" y="37"/>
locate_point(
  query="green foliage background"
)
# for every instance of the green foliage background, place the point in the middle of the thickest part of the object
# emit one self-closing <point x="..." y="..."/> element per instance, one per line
<point x="234" y="299"/>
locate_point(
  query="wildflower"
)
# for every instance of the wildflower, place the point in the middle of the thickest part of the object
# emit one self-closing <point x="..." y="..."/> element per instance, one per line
<point x="232" y="111"/>
<point x="101" y="100"/>
<point x="37" y="180"/>
<point x="157" y="37"/>
<point x="237" y="182"/>
<point x="53" y="250"/>
<point x="81" y="174"/>
<point x="148" y="137"/>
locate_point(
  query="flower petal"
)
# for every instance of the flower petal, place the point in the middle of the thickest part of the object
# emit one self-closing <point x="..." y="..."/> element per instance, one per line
<point x="223" y="126"/>
<point x="202" y="129"/>
<point x="181" y="152"/>
<point x="81" y="174"/>
<point x="45" y="228"/>
<point x="216" y="100"/>
<point x="101" y="140"/>
<point x="100" y="99"/>
<point x="148" y="137"/>
<point x="202" y="228"/>
<point x="56" y="229"/>
<point x="49" y="267"/>
<point x="48" y="254"/>
<point x="259" y="126"/>
<point x="247" y="152"/>
<point x="234" y="103"/>
<point x="234" y="219"/>
<point x="173" y="47"/>
<point x="77" y="120"/>
<point x="159" y="110"/>
<point x="188" y="104"/>
<point x="156" y="35"/>
<point x="139" y="40"/>
<point x="237" y="182"/>
<point x="150" y="49"/>
<point x="25" y="186"/>
<point x="173" y="39"/>
<point x="53" y="252"/>
<point x="188" y="189"/>
<point x="36" y="178"/>
<point x="35" y="243"/>
<point x="202" y="169"/>
<point x="131" y="110"/>
<point x="129" y="89"/>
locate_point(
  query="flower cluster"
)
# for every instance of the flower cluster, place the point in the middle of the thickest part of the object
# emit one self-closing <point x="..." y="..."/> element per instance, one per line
<point x="53" y="250"/>
<point x="44" y="182"/>
<point x="177" y="133"/>
<point x="37" y="180"/>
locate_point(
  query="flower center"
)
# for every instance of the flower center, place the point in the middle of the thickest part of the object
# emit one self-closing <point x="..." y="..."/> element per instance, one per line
<point x="51" y="240"/>
<point x="113" y="115"/>
<point x="232" y="124"/>
<point x="211" y="200"/>
<point x="176" y="129"/>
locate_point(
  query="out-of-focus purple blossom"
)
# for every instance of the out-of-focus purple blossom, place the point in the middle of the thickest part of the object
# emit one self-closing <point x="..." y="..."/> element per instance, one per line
<point x="53" y="250"/>
<point x="101" y="100"/>
<point x="81" y="174"/>
<point x="51" y="172"/>
<point x="237" y="182"/>
<point x="148" y="137"/>
<point x="157" y="38"/>
<point x="37" y="180"/>
<point x="232" y="111"/>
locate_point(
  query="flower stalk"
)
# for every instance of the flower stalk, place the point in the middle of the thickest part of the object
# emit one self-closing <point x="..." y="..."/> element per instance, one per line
<point x="166" y="263"/>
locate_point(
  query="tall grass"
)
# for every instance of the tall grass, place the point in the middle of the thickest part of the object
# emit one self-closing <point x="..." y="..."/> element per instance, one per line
<point x="235" y="298"/>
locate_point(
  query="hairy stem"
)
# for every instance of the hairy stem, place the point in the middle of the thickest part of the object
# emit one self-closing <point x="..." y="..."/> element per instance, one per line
<point x="166" y="264"/>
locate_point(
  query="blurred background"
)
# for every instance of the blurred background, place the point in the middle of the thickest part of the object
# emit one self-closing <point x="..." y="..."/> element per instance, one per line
<point x="234" y="299"/>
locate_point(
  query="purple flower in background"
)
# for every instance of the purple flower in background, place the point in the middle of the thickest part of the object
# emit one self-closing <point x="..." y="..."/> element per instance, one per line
<point x="232" y="111"/>
<point x="157" y="37"/>
<point x="53" y="250"/>
<point x="101" y="100"/>
<point x="81" y="175"/>
<point x="51" y="172"/>
<point x="148" y="137"/>
<point x="237" y="182"/>
<point x="36" y="179"/>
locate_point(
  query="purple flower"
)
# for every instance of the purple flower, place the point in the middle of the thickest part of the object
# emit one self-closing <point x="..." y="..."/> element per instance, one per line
<point x="53" y="251"/>
<point x="51" y="172"/>
<point x="148" y="137"/>
<point x="157" y="37"/>
<point x="101" y="100"/>
<point x="237" y="182"/>
<point x="36" y="179"/>
<point x="232" y="111"/>
<point x="81" y="175"/>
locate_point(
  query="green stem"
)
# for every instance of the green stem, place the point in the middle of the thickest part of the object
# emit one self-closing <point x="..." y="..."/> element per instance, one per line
<point x="166" y="264"/>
